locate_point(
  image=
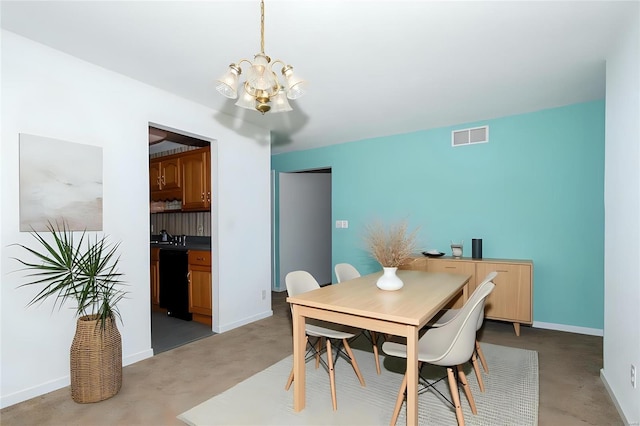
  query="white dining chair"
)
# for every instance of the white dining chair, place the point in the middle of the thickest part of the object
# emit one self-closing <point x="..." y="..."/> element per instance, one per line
<point x="449" y="314"/>
<point x="298" y="282"/>
<point x="449" y="346"/>
<point x="346" y="272"/>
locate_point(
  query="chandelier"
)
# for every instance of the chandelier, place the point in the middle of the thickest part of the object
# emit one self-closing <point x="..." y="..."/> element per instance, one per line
<point x="262" y="89"/>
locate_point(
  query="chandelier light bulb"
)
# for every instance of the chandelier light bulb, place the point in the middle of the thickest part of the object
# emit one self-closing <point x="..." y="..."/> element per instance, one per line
<point x="228" y="83"/>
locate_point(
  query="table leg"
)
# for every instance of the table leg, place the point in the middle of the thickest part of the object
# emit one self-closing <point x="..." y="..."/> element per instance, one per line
<point x="412" y="376"/>
<point x="299" y="344"/>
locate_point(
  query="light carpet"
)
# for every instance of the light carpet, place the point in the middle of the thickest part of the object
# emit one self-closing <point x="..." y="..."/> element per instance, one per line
<point x="510" y="397"/>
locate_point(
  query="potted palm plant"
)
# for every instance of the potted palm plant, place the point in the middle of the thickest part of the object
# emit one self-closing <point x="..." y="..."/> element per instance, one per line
<point x="390" y="247"/>
<point x="85" y="272"/>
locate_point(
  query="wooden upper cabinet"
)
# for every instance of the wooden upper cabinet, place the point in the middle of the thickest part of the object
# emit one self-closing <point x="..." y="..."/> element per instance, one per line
<point x="185" y="176"/>
<point x="170" y="174"/>
<point x="196" y="176"/>
<point x="165" y="178"/>
<point x="155" y="176"/>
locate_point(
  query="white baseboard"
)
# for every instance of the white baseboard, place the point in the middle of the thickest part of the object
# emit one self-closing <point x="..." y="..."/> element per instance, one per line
<point x="244" y="321"/>
<point x="54" y="385"/>
<point x="25" y="394"/>
<point x="603" y="377"/>
<point x="569" y="328"/>
<point x="132" y="359"/>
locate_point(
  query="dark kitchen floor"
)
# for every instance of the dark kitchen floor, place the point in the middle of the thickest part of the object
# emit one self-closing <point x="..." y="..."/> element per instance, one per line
<point x="169" y="333"/>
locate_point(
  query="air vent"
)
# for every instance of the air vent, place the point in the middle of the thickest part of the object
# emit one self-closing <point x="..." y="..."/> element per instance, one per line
<point x="470" y="136"/>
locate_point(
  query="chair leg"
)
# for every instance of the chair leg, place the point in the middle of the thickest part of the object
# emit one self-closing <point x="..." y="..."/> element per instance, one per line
<point x="332" y="375"/>
<point x="318" y="350"/>
<point x="290" y="379"/>
<point x="354" y="363"/>
<point x="467" y="390"/>
<point x="453" y="386"/>
<point x="481" y="356"/>
<point x="399" y="401"/>
<point x="375" y="350"/>
<point x="476" y="368"/>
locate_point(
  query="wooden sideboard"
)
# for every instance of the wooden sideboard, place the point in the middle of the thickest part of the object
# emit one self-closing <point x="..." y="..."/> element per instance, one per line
<point x="512" y="298"/>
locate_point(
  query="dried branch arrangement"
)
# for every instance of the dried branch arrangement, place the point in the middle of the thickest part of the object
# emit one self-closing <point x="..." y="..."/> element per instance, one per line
<point x="392" y="247"/>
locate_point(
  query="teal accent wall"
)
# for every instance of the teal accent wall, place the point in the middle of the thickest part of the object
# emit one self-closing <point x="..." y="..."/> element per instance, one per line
<point x="535" y="191"/>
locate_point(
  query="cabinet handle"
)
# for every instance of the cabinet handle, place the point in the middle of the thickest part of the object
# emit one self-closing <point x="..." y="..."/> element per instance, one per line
<point x="501" y="270"/>
<point x="158" y="180"/>
<point x="450" y="267"/>
<point x="189" y="277"/>
<point x="200" y="258"/>
<point x="202" y="196"/>
<point x="163" y="179"/>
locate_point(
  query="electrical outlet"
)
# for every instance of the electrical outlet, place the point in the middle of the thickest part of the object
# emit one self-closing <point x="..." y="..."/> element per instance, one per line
<point x="200" y="230"/>
<point x="264" y="294"/>
<point x="633" y="376"/>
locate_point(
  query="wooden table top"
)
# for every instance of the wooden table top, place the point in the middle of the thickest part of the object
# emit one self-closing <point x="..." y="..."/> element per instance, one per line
<point x="421" y="297"/>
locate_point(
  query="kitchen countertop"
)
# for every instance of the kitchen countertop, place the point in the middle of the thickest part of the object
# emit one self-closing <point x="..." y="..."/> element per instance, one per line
<point x="166" y="246"/>
<point x="193" y="243"/>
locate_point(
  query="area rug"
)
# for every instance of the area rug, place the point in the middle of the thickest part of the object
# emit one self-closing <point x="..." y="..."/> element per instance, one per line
<point x="510" y="397"/>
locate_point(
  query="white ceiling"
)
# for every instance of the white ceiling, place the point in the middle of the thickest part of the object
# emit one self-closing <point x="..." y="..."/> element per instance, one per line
<point x="374" y="68"/>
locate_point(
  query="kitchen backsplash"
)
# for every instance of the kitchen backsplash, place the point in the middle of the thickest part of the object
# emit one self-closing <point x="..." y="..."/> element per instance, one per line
<point x="182" y="223"/>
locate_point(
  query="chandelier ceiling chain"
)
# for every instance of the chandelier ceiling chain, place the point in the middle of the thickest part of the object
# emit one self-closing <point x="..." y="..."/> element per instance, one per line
<point x="262" y="26"/>
<point x="262" y="89"/>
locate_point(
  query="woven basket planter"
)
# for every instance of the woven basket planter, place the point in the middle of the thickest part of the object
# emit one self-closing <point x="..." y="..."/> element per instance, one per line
<point x="96" y="360"/>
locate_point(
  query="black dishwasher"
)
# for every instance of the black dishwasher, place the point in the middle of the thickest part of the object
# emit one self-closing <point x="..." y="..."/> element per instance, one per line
<point x="174" y="285"/>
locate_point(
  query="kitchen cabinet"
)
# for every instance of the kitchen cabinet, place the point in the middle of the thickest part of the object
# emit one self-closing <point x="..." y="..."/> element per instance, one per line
<point x="155" y="277"/>
<point x="185" y="176"/>
<point x="165" y="178"/>
<point x="511" y="299"/>
<point x="200" y="300"/>
<point x="196" y="177"/>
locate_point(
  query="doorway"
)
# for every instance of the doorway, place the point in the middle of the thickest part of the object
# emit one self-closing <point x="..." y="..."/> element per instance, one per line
<point x="304" y="225"/>
<point x="170" y="223"/>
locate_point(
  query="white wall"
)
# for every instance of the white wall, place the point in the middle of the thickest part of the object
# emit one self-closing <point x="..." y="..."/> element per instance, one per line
<point x="622" y="222"/>
<point x="48" y="93"/>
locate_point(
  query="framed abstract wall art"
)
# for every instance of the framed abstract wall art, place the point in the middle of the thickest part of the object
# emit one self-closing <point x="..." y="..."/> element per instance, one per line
<point x="59" y="181"/>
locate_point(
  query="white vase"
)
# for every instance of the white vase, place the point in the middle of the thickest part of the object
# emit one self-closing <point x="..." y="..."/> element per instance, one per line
<point x="389" y="280"/>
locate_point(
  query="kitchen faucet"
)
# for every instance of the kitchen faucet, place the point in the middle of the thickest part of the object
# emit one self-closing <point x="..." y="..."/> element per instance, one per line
<point x="166" y="236"/>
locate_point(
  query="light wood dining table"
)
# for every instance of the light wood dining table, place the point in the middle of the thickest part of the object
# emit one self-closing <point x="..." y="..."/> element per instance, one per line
<point x="359" y="303"/>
